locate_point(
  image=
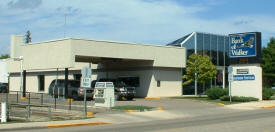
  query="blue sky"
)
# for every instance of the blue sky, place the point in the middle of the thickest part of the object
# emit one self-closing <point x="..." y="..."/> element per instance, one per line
<point x="138" y="21"/>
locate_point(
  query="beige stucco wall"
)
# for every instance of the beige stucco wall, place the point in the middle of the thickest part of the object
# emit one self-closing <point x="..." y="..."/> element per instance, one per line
<point x="53" y="54"/>
<point x="14" y="84"/>
<point x="162" y="56"/>
<point x="61" y="53"/>
<point x="32" y="81"/>
<point x="15" y="47"/>
<point x="164" y="63"/>
<point x="248" y="88"/>
<point x="44" y="55"/>
<point x="170" y="81"/>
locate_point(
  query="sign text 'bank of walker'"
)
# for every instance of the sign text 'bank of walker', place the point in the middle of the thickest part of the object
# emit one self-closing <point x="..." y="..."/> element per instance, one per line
<point x="242" y="45"/>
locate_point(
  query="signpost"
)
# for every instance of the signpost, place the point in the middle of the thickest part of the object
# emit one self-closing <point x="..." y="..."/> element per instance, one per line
<point x="230" y="79"/>
<point x="86" y="83"/>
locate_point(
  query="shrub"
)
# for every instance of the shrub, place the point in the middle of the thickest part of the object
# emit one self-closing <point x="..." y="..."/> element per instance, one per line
<point x="238" y="98"/>
<point x="267" y="93"/>
<point x="226" y="91"/>
<point x="215" y="93"/>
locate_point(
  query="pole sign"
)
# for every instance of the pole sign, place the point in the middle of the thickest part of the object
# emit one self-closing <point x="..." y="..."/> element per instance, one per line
<point x="86" y="79"/>
<point x="230" y="73"/>
<point x="86" y="82"/>
<point x="242" y="45"/>
<point x="86" y="72"/>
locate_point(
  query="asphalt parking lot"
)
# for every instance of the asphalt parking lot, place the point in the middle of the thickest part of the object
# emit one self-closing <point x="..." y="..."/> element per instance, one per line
<point x="167" y="103"/>
<point x="183" y="107"/>
<point x="180" y="106"/>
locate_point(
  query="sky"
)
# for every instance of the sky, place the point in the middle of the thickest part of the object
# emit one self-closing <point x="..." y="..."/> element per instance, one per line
<point x="136" y="21"/>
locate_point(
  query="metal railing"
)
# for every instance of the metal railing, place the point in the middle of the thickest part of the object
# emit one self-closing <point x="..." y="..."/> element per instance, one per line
<point x="44" y="99"/>
<point x="25" y="111"/>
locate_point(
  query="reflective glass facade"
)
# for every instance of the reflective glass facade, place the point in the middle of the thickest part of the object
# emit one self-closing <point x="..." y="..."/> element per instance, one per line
<point x="213" y="45"/>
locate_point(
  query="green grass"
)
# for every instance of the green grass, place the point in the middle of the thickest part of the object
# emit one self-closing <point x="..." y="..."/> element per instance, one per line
<point x="206" y="99"/>
<point x="132" y="107"/>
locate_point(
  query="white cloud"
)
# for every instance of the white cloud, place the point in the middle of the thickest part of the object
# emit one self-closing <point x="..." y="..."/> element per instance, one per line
<point x="139" y="21"/>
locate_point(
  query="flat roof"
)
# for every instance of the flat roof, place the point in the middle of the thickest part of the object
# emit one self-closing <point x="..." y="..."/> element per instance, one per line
<point x="107" y="41"/>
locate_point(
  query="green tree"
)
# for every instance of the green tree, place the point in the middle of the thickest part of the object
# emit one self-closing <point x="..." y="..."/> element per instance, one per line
<point x="4" y="56"/>
<point x="268" y="62"/>
<point x="199" y="67"/>
<point x="28" y="38"/>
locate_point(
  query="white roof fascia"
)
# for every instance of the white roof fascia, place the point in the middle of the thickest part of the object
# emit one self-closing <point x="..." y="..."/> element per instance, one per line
<point x="187" y="38"/>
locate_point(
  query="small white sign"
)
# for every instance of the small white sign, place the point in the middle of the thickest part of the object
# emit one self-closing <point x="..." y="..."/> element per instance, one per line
<point x="230" y="77"/>
<point x="230" y="69"/>
<point x="86" y="82"/>
<point x="86" y="72"/>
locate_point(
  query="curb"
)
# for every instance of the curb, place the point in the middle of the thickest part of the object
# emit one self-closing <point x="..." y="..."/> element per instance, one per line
<point x="21" y="128"/>
<point x="152" y="98"/>
<point x="158" y="108"/>
<point x="269" y="106"/>
<point x="220" y="104"/>
<point x="129" y="111"/>
<point x="23" y="98"/>
<point x="56" y="126"/>
<point x="76" y="124"/>
<point x="90" y="114"/>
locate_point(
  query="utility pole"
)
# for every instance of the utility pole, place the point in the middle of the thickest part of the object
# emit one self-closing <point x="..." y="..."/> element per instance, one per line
<point x="65" y="24"/>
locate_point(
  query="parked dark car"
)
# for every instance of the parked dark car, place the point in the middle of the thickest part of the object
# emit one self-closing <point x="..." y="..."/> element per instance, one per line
<point x="74" y="89"/>
<point x="122" y="91"/>
<point x="4" y="87"/>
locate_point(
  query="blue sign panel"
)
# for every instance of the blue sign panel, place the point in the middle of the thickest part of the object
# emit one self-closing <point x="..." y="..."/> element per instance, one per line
<point x="242" y="45"/>
<point x="243" y="77"/>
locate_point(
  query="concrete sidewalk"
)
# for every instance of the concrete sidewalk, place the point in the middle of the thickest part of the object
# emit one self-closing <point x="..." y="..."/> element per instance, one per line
<point x="42" y="125"/>
<point x="98" y="120"/>
<point x="252" y="105"/>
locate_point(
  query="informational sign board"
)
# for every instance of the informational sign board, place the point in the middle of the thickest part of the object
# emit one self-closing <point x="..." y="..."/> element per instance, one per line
<point x="242" y="45"/>
<point x="247" y="80"/>
<point x="104" y="94"/>
<point x="86" y="72"/>
<point x="86" y="82"/>
<point x="86" y="77"/>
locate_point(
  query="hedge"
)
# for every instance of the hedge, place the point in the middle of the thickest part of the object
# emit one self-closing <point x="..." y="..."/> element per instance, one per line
<point x="215" y="93"/>
<point x="267" y="93"/>
<point x="238" y="98"/>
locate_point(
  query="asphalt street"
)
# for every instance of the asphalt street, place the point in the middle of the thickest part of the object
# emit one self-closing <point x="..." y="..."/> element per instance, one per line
<point x="251" y="121"/>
